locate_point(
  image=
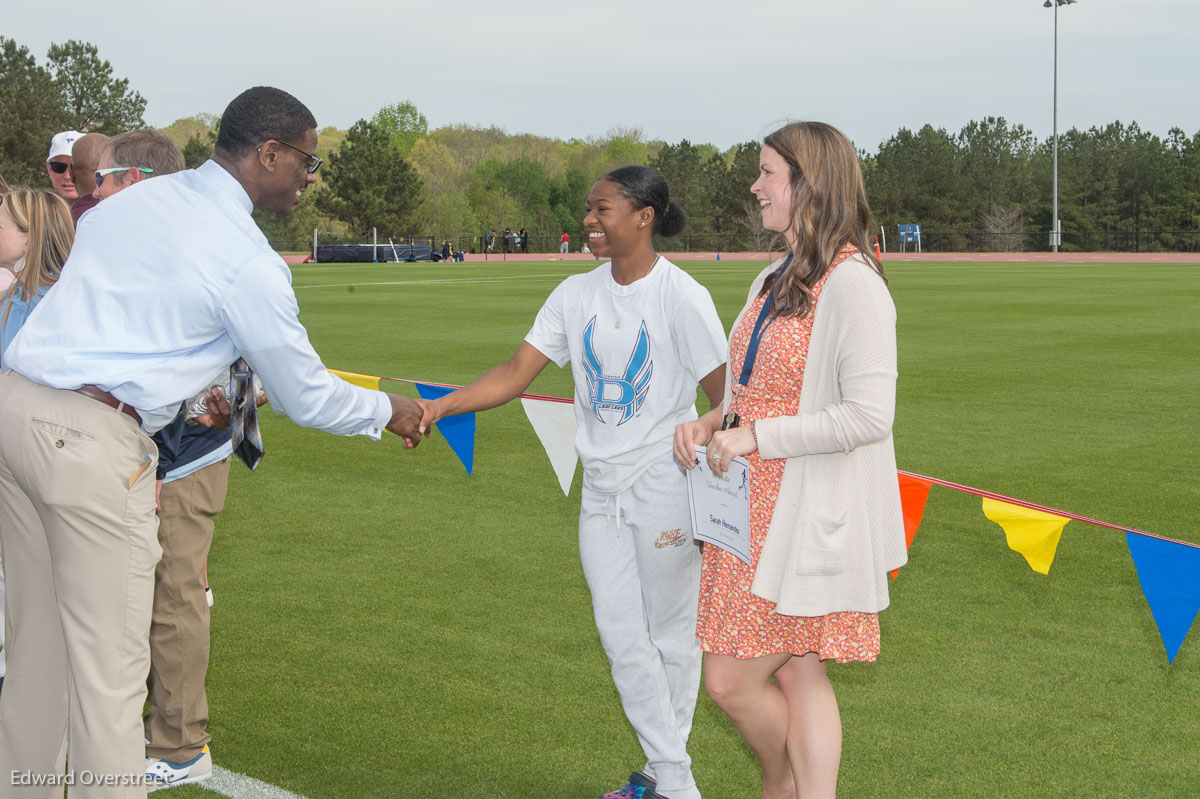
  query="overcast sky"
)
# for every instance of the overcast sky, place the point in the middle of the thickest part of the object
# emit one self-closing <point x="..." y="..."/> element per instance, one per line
<point x="719" y="72"/>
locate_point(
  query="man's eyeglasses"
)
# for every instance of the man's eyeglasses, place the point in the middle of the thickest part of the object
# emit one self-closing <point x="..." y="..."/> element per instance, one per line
<point x="58" y="167"/>
<point x="314" y="163"/>
<point x="100" y="173"/>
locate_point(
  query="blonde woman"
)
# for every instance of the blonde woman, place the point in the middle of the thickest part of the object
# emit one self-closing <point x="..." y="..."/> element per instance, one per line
<point x="36" y="233"/>
<point x="813" y="382"/>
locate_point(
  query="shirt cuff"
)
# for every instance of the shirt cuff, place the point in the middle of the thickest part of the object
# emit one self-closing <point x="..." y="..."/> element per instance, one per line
<point x="383" y="415"/>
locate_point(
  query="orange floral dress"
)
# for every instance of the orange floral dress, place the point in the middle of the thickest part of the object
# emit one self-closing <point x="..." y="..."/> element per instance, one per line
<point x="731" y="620"/>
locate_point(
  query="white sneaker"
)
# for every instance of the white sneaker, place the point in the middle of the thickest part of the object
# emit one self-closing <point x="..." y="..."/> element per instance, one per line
<point x="165" y="774"/>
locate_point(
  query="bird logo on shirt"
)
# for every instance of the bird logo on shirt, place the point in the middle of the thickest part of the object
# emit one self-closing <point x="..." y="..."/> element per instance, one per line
<point x="626" y="393"/>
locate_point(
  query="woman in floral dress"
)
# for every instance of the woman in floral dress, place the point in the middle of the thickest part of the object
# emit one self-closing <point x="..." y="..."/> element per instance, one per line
<point x="815" y="407"/>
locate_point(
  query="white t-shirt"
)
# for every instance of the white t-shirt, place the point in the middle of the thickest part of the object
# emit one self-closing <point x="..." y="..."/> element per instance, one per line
<point x="637" y="353"/>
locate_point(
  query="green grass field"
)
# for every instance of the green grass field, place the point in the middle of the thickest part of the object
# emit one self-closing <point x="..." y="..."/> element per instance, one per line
<point x="386" y="626"/>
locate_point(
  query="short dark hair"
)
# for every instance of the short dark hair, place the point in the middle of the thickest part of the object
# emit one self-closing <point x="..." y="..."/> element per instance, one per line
<point x="259" y="114"/>
<point x="643" y="186"/>
<point x="147" y="148"/>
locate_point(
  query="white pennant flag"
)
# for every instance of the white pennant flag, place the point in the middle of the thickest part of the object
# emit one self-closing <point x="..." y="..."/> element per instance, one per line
<point x="554" y="423"/>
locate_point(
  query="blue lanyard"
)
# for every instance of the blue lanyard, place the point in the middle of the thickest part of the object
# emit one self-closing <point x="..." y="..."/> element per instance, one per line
<point x="760" y="327"/>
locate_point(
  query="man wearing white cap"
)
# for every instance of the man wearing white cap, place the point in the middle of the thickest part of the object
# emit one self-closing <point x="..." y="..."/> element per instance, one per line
<point x="58" y="164"/>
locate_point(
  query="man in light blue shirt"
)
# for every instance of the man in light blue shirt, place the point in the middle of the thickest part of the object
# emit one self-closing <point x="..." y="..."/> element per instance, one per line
<point x="168" y="283"/>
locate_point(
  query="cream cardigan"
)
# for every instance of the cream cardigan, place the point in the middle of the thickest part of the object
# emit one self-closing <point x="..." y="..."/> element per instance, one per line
<point x="837" y="528"/>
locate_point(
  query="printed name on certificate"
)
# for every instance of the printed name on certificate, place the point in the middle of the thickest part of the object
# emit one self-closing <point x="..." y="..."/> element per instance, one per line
<point x="721" y="505"/>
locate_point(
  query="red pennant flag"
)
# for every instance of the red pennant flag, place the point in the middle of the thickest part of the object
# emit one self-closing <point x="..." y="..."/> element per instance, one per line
<point x="913" y="495"/>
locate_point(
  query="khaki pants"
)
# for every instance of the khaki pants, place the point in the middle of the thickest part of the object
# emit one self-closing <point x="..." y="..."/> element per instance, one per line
<point x="79" y="534"/>
<point x="176" y="723"/>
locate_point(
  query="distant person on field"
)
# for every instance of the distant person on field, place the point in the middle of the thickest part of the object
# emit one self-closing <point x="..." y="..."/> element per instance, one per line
<point x="490" y="240"/>
<point x="508" y="240"/>
<point x="815" y="346"/>
<point x="564" y="244"/>
<point x="640" y="334"/>
<point x="446" y="251"/>
<point x="35" y="239"/>
<point x="58" y="164"/>
<point x="524" y="234"/>
<point x="85" y="160"/>
<point x="517" y="242"/>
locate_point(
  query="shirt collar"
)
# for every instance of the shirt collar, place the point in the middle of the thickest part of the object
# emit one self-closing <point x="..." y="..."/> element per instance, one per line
<point x="226" y="183"/>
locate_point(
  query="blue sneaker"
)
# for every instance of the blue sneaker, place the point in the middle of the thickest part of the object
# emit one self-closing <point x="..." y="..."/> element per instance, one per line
<point x="639" y="787"/>
<point x="165" y="774"/>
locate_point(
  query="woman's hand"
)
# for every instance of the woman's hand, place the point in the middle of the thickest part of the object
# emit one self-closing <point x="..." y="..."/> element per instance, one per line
<point x="688" y="436"/>
<point x="728" y="444"/>
<point x="430" y="413"/>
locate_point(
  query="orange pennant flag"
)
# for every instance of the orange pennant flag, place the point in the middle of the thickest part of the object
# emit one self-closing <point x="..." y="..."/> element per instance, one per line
<point x="366" y="381"/>
<point x="1033" y="533"/>
<point x="913" y="494"/>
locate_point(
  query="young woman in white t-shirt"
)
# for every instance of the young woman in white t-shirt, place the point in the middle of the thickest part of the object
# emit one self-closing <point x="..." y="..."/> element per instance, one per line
<point x="640" y="334"/>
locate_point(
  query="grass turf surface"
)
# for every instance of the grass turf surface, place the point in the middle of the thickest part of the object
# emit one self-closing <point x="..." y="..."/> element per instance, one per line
<point x="387" y="626"/>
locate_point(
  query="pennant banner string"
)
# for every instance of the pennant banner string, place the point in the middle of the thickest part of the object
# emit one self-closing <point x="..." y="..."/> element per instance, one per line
<point x="1046" y="509"/>
<point x="956" y="486"/>
<point x="545" y="397"/>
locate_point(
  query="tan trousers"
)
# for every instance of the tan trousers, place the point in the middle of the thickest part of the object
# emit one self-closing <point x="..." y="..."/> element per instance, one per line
<point x="79" y="534"/>
<point x="176" y="722"/>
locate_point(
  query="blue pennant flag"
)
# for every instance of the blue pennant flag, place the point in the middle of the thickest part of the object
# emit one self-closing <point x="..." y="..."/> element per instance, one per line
<point x="1170" y="578"/>
<point x="459" y="431"/>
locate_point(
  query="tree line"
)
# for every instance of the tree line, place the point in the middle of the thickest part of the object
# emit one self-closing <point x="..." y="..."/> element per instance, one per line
<point x="996" y="179"/>
<point x="986" y="186"/>
<point x="74" y="90"/>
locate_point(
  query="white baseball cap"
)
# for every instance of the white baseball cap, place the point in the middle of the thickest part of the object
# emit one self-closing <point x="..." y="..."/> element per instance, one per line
<point x="62" y="143"/>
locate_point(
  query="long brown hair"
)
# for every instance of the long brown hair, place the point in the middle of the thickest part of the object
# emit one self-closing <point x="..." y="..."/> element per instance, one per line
<point x="46" y="219"/>
<point x="829" y="209"/>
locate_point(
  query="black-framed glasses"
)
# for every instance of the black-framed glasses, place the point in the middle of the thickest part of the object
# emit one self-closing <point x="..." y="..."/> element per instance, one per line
<point x="58" y="167"/>
<point x="314" y="163"/>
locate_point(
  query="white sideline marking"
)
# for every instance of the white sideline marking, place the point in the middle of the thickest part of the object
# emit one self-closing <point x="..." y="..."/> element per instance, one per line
<point x="469" y="280"/>
<point x="439" y="281"/>
<point x="239" y="786"/>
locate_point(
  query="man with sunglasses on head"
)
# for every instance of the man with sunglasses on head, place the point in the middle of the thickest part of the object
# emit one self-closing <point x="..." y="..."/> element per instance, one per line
<point x="132" y="157"/>
<point x="58" y="164"/>
<point x="166" y="286"/>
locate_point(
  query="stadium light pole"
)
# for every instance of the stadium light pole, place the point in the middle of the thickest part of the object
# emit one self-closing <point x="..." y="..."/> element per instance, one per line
<point x="1055" y="232"/>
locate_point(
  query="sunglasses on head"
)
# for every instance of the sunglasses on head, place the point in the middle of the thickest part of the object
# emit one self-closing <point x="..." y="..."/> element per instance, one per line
<point x="58" y="167"/>
<point x="100" y="173"/>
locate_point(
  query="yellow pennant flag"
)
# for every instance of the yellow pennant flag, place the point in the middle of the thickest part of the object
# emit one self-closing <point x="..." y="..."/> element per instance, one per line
<point x="366" y="381"/>
<point x="1033" y="533"/>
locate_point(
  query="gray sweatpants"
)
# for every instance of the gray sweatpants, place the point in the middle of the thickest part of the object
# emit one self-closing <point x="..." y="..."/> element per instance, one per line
<point x="643" y="569"/>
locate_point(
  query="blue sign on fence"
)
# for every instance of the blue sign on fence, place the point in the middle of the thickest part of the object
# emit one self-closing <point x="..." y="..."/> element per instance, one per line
<point x="910" y="234"/>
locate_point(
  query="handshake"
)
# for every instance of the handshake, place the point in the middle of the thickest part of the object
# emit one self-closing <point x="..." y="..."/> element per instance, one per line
<point x="412" y="419"/>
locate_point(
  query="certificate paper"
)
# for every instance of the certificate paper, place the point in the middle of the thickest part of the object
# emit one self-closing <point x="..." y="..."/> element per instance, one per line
<point x="721" y="505"/>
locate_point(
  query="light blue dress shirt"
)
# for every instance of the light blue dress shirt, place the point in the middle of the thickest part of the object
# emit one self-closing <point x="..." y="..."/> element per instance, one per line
<point x="167" y="283"/>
